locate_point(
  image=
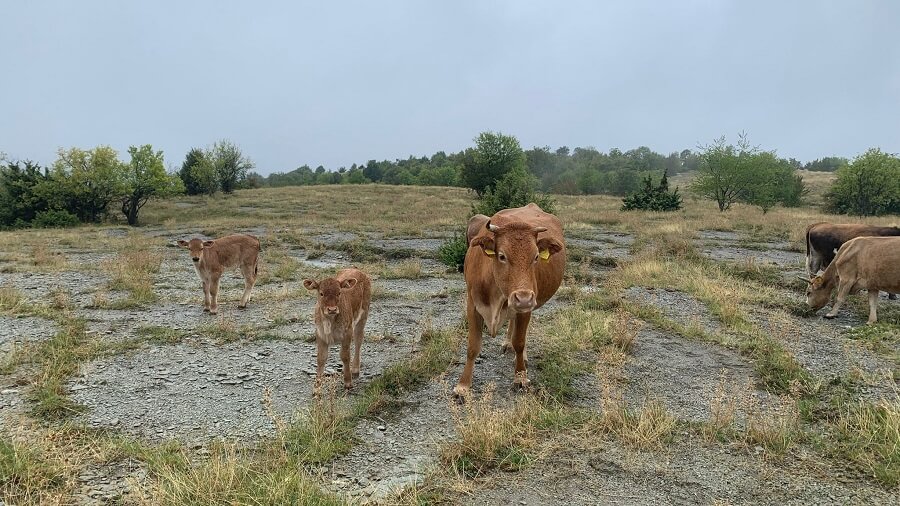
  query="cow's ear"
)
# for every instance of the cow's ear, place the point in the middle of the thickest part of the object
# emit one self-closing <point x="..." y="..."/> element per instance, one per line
<point x="182" y="243"/>
<point x="310" y="284"/>
<point x="486" y="244"/>
<point x="548" y="246"/>
<point x="348" y="284"/>
<point x="207" y="244"/>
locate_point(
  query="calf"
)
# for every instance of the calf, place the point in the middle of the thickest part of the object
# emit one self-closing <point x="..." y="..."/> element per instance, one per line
<point x="863" y="263"/>
<point x="340" y="316"/>
<point x="212" y="258"/>
<point x="514" y="264"/>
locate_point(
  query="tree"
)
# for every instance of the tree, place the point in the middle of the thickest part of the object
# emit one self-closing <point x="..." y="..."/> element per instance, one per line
<point x="744" y="173"/>
<point x="653" y="198"/>
<point x="516" y="188"/>
<point x="205" y="176"/>
<point x="495" y="154"/>
<point x="145" y="177"/>
<point x="85" y="182"/>
<point x="869" y="186"/>
<point x="192" y="186"/>
<point x="231" y="166"/>
<point x="20" y="200"/>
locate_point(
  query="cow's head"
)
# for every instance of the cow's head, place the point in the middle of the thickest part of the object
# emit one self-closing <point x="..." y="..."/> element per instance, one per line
<point x="818" y="292"/>
<point x="329" y="290"/>
<point x="514" y="251"/>
<point x="196" y="247"/>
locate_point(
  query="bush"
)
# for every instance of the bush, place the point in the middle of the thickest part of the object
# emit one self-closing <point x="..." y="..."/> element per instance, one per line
<point x="55" y="218"/>
<point x="869" y="186"/>
<point x="453" y="251"/>
<point x="516" y="188"/>
<point x="653" y="198"/>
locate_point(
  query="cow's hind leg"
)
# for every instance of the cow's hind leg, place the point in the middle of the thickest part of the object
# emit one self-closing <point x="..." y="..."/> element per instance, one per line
<point x="473" y="348"/>
<point x="844" y="289"/>
<point x="205" y="295"/>
<point x="518" y="342"/>
<point x="873" y="306"/>
<point x="249" y="272"/>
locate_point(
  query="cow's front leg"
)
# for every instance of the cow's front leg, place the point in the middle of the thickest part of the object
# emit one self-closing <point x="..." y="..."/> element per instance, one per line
<point x="844" y="289"/>
<point x="205" y="295"/>
<point x="345" y="360"/>
<point x="518" y="342"/>
<point x="321" y="358"/>
<point x="214" y="295"/>
<point x="873" y="306"/>
<point x="473" y="348"/>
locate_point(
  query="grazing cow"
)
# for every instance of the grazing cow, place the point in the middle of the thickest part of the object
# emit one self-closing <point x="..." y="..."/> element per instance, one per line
<point x="211" y="258"/>
<point x="340" y="316"/>
<point x="514" y="265"/>
<point x="863" y="263"/>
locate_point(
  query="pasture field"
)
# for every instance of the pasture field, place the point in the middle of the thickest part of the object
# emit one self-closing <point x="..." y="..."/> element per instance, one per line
<point x="678" y="364"/>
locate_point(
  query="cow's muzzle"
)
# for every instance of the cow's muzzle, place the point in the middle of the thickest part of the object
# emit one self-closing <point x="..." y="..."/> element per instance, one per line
<point x="332" y="310"/>
<point x="522" y="301"/>
<point x="196" y="259"/>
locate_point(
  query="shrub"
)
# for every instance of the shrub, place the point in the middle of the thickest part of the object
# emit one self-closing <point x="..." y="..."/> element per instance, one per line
<point x="869" y="186"/>
<point x="453" y="251"/>
<point x="55" y="218"/>
<point x="516" y="188"/>
<point x="653" y="198"/>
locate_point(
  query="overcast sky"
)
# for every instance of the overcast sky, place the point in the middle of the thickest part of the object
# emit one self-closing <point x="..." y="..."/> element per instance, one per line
<point x="335" y="83"/>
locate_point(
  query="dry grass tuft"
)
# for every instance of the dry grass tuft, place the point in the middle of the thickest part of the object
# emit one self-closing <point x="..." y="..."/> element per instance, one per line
<point x="869" y="435"/>
<point x="43" y="258"/>
<point x="11" y="299"/>
<point x="133" y="271"/>
<point x="407" y="269"/>
<point x="722" y="410"/>
<point x="775" y="429"/>
<point x="623" y="330"/>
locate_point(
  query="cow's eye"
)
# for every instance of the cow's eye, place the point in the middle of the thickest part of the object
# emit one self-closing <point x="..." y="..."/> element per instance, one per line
<point x="502" y="257"/>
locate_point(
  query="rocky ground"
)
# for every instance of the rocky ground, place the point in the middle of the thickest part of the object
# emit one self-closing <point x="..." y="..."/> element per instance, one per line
<point x="211" y="382"/>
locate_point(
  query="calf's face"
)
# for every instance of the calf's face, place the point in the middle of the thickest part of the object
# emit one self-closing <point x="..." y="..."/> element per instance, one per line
<point x="818" y="293"/>
<point x="514" y="251"/>
<point x="196" y="247"/>
<point x="329" y="294"/>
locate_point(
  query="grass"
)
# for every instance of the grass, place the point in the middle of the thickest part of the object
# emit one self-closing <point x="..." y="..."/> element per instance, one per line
<point x="869" y="435"/>
<point x="133" y="271"/>
<point x="26" y="477"/>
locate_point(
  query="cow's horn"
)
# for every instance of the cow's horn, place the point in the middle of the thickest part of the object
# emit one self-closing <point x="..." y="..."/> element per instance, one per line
<point x="804" y="279"/>
<point x="492" y="227"/>
<point x="538" y="230"/>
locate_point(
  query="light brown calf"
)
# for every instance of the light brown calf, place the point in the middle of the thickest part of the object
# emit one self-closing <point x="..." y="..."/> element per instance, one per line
<point x="212" y="258"/>
<point x="340" y="315"/>
<point x="864" y="263"/>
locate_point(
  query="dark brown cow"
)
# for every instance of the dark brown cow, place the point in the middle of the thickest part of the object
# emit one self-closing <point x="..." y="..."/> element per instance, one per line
<point x="514" y="265"/>
<point x="863" y="263"/>
<point x="824" y="239"/>
<point x="212" y="258"/>
<point x="340" y="315"/>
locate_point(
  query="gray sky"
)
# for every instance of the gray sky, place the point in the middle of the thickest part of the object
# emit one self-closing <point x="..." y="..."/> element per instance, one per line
<point x="340" y="82"/>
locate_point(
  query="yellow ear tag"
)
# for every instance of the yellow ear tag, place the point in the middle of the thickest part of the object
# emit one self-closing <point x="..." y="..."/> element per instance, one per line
<point x="545" y="255"/>
<point x="489" y="252"/>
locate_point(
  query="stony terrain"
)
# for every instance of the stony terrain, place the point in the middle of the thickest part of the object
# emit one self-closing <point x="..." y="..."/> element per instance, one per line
<point x="211" y="380"/>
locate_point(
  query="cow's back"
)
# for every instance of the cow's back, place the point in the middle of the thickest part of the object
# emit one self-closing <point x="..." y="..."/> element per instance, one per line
<point x="359" y="297"/>
<point x="874" y="260"/>
<point x="234" y="249"/>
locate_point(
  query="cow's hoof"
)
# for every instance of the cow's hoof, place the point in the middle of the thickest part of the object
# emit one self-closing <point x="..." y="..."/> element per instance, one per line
<point x="348" y="386"/>
<point x="506" y="347"/>
<point x="355" y="373"/>
<point x="521" y="382"/>
<point x="892" y="296"/>
<point x="206" y="310"/>
<point x="213" y="311"/>
<point x="829" y="316"/>
<point x="461" y="393"/>
<point x="242" y="307"/>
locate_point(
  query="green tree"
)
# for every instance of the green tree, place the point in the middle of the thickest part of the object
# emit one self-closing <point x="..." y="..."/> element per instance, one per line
<point x="653" y="198"/>
<point x="744" y="173"/>
<point x="516" y="188"/>
<point x="20" y="200"/>
<point x="494" y="155"/>
<point x="192" y="186"/>
<point x="868" y="186"/>
<point x="85" y="182"/>
<point x="231" y="166"/>
<point x="145" y="177"/>
<point x="204" y="175"/>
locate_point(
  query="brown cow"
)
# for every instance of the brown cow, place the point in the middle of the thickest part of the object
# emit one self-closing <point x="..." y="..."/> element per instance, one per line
<point x="514" y="265"/>
<point x="211" y="258"/>
<point x="863" y="263"/>
<point x="824" y="239"/>
<point x="340" y="316"/>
